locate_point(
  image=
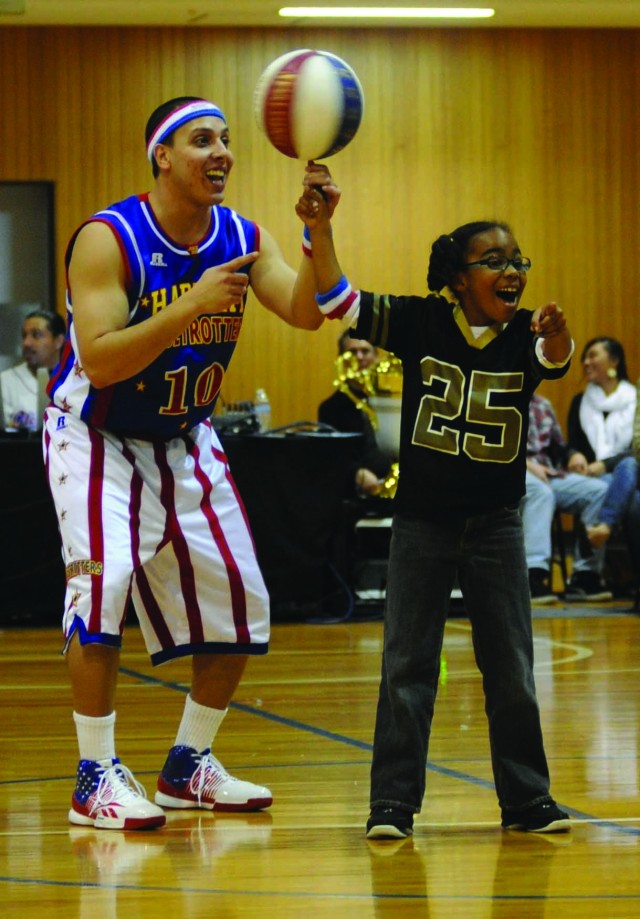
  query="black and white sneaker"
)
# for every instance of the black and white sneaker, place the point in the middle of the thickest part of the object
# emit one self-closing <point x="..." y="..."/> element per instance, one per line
<point x="586" y="587"/>
<point x="539" y="588"/>
<point x="540" y="818"/>
<point x="389" y="823"/>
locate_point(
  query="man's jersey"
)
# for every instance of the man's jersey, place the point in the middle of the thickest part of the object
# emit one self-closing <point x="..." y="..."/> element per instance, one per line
<point x="465" y="403"/>
<point x="179" y="388"/>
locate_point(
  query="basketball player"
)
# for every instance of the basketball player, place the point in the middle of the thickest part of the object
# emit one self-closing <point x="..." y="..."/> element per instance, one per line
<point x="147" y="509"/>
<point x="469" y="370"/>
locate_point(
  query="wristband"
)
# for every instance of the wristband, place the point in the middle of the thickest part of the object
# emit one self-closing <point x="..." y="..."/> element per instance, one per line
<point x="341" y="302"/>
<point x="306" y="242"/>
<point x="539" y="349"/>
<point x="307" y="247"/>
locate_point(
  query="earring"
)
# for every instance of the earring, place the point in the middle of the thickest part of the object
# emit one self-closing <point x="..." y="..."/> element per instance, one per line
<point x="612" y="373"/>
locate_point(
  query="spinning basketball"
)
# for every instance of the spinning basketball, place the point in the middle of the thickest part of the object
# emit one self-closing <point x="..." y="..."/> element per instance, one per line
<point x="309" y="104"/>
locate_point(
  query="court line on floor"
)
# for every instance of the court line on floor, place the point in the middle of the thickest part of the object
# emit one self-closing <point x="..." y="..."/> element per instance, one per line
<point x="577" y="652"/>
<point x="317" y="896"/>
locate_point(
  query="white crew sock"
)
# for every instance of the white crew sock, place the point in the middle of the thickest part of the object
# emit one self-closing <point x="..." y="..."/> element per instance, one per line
<point x="199" y="725"/>
<point x="96" y="737"/>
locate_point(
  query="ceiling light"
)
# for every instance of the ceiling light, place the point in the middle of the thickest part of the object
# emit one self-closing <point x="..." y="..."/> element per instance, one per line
<point x="386" y="12"/>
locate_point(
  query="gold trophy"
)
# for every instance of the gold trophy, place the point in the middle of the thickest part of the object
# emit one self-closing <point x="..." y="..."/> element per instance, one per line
<point x="380" y="387"/>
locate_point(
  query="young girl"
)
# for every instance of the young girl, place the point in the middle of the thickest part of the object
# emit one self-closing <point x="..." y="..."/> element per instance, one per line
<point x="469" y="370"/>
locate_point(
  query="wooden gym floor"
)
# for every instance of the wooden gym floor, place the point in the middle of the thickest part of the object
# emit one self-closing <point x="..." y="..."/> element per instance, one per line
<point x="302" y="723"/>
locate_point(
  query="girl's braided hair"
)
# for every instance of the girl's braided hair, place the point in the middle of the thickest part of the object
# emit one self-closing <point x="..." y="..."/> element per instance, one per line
<point x="449" y="251"/>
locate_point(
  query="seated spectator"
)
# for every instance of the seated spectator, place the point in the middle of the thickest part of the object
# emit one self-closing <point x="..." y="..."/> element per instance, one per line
<point x="600" y="433"/>
<point x="549" y="486"/>
<point x="601" y="418"/>
<point x="42" y="338"/>
<point x="347" y="412"/>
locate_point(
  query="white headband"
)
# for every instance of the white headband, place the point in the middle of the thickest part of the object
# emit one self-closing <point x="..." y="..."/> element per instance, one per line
<point x="178" y="117"/>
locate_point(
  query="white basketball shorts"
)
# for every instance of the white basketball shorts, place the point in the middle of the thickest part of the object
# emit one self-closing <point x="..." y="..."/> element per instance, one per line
<point x="160" y="523"/>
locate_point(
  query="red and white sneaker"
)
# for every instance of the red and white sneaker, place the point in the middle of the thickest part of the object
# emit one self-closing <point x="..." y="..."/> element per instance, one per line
<point x="192" y="779"/>
<point x="110" y="798"/>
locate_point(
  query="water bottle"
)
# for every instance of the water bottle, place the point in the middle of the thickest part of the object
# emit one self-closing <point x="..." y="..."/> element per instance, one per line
<point x="262" y="408"/>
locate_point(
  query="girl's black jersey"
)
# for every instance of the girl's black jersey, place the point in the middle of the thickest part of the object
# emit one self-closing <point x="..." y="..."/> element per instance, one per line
<point x="465" y="403"/>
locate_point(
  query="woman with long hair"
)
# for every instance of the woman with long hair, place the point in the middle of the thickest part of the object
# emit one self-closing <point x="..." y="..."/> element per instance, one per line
<point x="600" y="431"/>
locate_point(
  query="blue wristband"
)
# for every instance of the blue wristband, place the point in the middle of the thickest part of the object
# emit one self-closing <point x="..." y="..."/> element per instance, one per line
<point x="340" y="288"/>
<point x="306" y="241"/>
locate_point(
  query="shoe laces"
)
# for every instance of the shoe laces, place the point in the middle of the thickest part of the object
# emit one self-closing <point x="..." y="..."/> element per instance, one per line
<point x="210" y="774"/>
<point x="117" y="785"/>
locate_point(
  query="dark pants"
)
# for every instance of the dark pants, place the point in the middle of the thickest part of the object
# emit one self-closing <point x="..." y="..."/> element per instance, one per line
<point x="487" y="552"/>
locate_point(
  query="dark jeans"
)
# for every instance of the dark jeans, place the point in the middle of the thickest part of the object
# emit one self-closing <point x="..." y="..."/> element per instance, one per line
<point x="622" y="482"/>
<point x="487" y="552"/>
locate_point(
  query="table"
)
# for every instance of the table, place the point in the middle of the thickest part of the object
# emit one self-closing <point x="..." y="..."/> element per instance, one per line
<point x="32" y="578"/>
<point x="294" y="488"/>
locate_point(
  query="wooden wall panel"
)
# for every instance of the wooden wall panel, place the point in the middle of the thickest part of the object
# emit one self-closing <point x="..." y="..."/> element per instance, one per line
<point x="538" y="127"/>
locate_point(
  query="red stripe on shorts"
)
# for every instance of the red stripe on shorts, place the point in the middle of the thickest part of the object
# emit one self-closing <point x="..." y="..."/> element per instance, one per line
<point x="96" y="532"/>
<point x="222" y="457"/>
<point x="46" y="445"/>
<point x="236" y="585"/>
<point x="153" y="611"/>
<point x="173" y="533"/>
<point x="154" y="614"/>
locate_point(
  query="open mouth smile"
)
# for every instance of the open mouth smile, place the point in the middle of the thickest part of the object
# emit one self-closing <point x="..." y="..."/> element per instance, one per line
<point x="216" y="176"/>
<point x="509" y="295"/>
